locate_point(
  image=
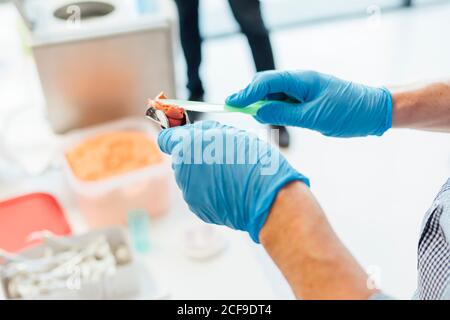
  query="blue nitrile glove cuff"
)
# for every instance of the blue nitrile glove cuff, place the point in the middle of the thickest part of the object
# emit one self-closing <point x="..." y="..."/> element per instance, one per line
<point x="255" y="226"/>
<point x="388" y="104"/>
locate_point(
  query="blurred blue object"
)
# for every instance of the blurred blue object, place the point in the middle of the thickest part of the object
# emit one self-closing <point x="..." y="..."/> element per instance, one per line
<point x="139" y="228"/>
<point x="147" y="6"/>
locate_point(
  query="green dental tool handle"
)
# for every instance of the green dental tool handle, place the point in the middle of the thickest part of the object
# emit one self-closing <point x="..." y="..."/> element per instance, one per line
<point x="251" y="109"/>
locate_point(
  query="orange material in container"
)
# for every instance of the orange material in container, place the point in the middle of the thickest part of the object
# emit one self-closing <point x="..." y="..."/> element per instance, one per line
<point x="115" y="168"/>
<point x="111" y="154"/>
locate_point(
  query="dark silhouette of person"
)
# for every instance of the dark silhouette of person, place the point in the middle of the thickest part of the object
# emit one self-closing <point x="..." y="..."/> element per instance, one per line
<point x="248" y="15"/>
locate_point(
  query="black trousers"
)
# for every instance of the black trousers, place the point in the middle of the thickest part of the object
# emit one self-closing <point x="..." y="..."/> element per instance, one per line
<point x="248" y="15"/>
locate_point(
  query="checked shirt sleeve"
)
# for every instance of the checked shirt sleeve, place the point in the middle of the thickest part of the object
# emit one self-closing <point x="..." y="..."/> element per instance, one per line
<point x="434" y="250"/>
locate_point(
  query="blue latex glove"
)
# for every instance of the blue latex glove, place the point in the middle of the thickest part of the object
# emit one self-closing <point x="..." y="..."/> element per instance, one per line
<point x="218" y="188"/>
<point x="319" y="102"/>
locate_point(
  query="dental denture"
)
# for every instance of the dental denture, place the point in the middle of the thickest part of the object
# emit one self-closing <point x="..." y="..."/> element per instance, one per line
<point x="175" y="114"/>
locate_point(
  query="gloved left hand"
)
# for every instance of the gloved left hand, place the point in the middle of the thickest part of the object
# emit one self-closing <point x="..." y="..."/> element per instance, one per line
<point x="317" y="101"/>
<point x="227" y="176"/>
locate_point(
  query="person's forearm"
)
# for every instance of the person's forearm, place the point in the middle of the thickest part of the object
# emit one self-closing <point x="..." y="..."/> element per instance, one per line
<point x="426" y="108"/>
<point x="314" y="261"/>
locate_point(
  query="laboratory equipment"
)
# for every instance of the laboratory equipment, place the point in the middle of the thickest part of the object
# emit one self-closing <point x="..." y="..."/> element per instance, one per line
<point x="169" y="113"/>
<point x="166" y="115"/>
<point x="139" y="228"/>
<point x="99" y="60"/>
<point x="107" y="202"/>
<point x="198" y="106"/>
<point x="96" y="265"/>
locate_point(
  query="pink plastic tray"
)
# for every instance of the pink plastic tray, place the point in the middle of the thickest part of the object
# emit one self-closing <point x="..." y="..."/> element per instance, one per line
<point x="21" y="216"/>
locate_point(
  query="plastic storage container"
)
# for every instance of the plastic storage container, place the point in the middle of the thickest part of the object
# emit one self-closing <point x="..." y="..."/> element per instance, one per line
<point x="22" y="216"/>
<point x="122" y="284"/>
<point x="107" y="202"/>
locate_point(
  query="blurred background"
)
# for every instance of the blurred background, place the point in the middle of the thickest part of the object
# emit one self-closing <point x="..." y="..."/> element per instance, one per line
<point x="74" y="79"/>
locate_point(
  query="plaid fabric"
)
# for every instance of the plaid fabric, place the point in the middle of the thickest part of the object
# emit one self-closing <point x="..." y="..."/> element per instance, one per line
<point x="434" y="249"/>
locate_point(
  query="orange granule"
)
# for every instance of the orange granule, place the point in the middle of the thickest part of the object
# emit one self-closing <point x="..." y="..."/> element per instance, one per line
<point x="111" y="154"/>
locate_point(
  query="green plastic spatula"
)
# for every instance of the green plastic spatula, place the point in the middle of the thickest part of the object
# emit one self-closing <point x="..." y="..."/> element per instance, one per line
<point x="211" y="107"/>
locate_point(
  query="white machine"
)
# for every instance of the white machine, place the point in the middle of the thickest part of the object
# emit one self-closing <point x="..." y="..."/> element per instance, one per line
<point x="100" y="60"/>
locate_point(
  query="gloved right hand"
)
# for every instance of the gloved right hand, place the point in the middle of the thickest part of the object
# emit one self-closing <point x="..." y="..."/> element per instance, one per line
<point x="319" y="102"/>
